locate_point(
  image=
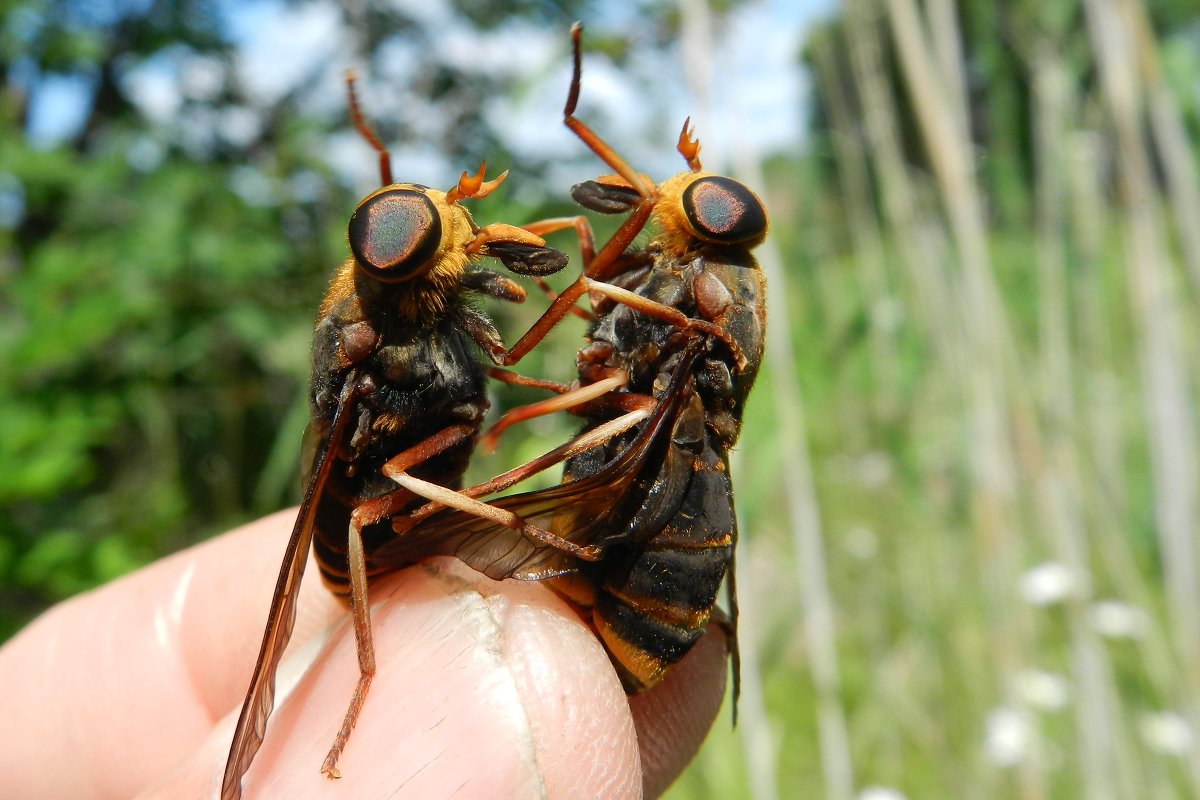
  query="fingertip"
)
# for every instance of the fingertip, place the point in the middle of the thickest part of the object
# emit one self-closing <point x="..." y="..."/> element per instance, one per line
<point x="674" y="718"/>
<point x="489" y="689"/>
<point x="586" y="742"/>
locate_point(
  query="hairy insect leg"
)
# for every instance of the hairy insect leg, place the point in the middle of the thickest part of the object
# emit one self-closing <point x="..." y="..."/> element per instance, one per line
<point x="587" y="251"/>
<point x="260" y="697"/>
<point x="548" y="290"/>
<point x="454" y="499"/>
<point x="589" y="137"/>
<point x="583" y="231"/>
<point x="603" y="264"/>
<point x="361" y="611"/>
<point x="609" y="255"/>
<point x="511" y="378"/>
<point x="360" y="123"/>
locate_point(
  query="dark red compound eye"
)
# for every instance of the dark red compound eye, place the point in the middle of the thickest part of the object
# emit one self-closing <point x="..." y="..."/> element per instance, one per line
<point x="395" y="233"/>
<point x="724" y="211"/>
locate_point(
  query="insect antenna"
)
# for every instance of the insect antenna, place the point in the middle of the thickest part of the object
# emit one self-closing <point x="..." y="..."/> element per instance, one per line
<point x="573" y="93"/>
<point x="385" y="159"/>
<point x="689" y="146"/>
<point x="473" y="187"/>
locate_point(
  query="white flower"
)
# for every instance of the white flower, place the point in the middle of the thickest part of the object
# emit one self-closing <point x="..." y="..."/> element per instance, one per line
<point x="1008" y="737"/>
<point x="1041" y="690"/>
<point x="861" y="542"/>
<point x="874" y="469"/>
<point x="1166" y="732"/>
<point x="880" y="793"/>
<point x="1118" y="620"/>
<point x="1049" y="583"/>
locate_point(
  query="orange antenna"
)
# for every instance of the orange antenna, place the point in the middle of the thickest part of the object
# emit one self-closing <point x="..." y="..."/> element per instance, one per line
<point x="689" y="147"/>
<point x="385" y="160"/>
<point x="473" y="187"/>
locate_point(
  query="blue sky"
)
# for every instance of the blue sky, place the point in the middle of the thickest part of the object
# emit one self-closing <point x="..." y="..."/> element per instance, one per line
<point x="756" y="94"/>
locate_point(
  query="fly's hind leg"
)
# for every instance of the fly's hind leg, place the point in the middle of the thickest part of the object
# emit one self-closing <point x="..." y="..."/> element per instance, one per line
<point x="562" y="402"/>
<point x="465" y="499"/>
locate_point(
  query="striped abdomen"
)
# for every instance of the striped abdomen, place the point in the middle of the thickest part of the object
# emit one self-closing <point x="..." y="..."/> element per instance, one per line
<point x="654" y="599"/>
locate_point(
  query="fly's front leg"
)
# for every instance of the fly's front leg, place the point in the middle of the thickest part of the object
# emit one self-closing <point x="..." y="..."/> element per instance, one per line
<point x="587" y="251"/>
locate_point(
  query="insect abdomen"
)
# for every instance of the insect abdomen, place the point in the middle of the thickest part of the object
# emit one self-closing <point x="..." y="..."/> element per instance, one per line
<point x="656" y="598"/>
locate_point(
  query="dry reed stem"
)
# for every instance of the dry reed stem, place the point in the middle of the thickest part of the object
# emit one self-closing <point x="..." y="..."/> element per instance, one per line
<point x="854" y="180"/>
<point x="1171" y="429"/>
<point x="990" y="441"/>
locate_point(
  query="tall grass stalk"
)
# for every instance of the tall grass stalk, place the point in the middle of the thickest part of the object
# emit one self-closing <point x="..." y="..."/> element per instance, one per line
<point x="1171" y="425"/>
<point x="804" y="522"/>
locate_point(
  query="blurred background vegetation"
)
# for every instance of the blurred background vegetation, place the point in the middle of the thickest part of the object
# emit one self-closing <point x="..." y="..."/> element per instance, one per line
<point x="968" y="565"/>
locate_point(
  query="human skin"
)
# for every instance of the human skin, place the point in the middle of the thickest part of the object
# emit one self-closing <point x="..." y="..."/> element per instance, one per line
<point x="485" y="689"/>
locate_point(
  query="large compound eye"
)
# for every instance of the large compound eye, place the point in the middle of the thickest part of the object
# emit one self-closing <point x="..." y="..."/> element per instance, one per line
<point x="724" y="211"/>
<point x="395" y="233"/>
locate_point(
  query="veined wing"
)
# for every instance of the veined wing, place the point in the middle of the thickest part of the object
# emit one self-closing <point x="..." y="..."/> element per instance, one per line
<point x="260" y="697"/>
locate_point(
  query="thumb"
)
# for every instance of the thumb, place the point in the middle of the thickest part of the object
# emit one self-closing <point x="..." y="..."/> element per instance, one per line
<point x="484" y="689"/>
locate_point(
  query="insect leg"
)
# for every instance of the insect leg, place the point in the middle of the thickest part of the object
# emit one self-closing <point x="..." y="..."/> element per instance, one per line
<point x="562" y="402"/>
<point x="667" y="313"/>
<point x="260" y="697"/>
<point x="594" y="142"/>
<point x="516" y="379"/>
<point x="365" y="642"/>
<point x="585" y="441"/>
<point x="453" y="499"/>
<point x="608" y="256"/>
<point x="364" y="515"/>
<point x="360" y="122"/>
<point x="587" y="250"/>
<point x="583" y="230"/>
<point x="607" y="262"/>
<point x="548" y="290"/>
